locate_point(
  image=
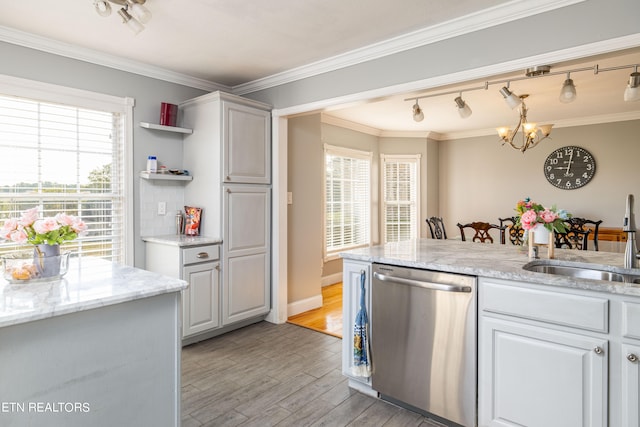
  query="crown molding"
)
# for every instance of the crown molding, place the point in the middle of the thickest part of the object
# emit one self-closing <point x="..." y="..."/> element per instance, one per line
<point x="346" y="124"/>
<point x="44" y="44"/>
<point x="486" y="18"/>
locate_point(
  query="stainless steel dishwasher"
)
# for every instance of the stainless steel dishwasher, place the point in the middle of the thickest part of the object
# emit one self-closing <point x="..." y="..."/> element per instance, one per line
<point x="423" y="341"/>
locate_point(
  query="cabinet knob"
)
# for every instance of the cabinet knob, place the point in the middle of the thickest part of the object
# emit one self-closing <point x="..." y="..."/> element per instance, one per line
<point x="227" y="178"/>
<point x="632" y="357"/>
<point x="202" y="255"/>
<point x="598" y="350"/>
<point x="217" y="267"/>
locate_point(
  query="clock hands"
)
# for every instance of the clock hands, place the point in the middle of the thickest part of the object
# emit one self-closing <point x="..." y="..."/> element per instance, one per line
<point x="569" y="164"/>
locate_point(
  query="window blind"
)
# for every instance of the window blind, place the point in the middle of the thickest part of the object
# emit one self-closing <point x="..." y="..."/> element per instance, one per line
<point x="64" y="158"/>
<point x="347" y="199"/>
<point x="400" y="197"/>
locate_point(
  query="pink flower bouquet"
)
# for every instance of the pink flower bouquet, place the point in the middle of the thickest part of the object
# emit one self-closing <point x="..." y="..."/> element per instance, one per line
<point x="531" y="214"/>
<point x="29" y="228"/>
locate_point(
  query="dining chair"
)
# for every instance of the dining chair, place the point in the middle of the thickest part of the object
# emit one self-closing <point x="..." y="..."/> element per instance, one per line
<point x="515" y="232"/>
<point x="481" y="231"/>
<point x="572" y="239"/>
<point x="436" y="227"/>
<point x="583" y="224"/>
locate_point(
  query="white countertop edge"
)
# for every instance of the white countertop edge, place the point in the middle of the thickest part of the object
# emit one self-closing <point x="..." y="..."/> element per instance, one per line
<point x="182" y="240"/>
<point x="494" y="261"/>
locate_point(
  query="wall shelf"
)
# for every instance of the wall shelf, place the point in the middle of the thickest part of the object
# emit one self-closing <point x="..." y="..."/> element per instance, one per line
<point x="154" y="126"/>
<point x="164" y="176"/>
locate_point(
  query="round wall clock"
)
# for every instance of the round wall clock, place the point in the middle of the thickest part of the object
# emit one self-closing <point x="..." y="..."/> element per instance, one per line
<point x="569" y="167"/>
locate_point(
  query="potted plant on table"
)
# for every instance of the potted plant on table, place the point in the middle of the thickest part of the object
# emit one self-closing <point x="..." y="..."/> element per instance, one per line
<point x="534" y="216"/>
<point x="46" y="234"/>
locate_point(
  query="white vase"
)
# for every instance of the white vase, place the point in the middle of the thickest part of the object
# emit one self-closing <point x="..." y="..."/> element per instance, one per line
<point x="540" y="234"/>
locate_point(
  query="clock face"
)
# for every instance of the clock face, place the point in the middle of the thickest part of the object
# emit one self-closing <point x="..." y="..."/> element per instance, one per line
<point x="569" y="167"/>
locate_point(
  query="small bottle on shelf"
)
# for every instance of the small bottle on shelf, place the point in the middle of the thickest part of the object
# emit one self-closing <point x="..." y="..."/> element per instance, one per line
<point x="152" y="164"/>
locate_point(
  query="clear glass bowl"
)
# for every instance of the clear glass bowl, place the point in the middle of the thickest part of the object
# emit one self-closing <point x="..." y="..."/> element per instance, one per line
<point x="22" y="267"/>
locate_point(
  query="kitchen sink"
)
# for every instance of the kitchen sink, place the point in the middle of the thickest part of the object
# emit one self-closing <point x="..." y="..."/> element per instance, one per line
<point x="585" y="271"/>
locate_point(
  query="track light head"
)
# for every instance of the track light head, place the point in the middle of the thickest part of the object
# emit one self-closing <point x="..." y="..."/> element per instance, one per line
<point x="568" y="92"/>
<point x="510" y="98"/>
<point x="463" y="108"/>
<point x="632" y="92"/>
<point x="418" y="115"/>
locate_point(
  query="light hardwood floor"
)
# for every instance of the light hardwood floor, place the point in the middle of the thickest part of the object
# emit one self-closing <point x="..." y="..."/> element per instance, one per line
<point x="326" y="319"/>
<point x="277" y="375"/>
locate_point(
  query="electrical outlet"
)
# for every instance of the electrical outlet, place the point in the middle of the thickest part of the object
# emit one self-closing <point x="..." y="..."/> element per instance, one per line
<point x="162" y="208"/>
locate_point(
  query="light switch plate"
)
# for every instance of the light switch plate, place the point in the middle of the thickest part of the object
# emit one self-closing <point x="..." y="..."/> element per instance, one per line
<point x="162" y="208"/>
<point x="289" y="198"/>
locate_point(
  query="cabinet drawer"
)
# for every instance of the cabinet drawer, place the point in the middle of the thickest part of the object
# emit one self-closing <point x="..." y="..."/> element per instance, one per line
<point x="200" y="254"/>
<point x="575" y="311"/>
<point x="631" y="320"/>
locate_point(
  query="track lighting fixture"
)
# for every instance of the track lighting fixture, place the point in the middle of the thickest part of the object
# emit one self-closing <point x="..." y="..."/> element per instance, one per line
<point x="463" y="108"/>
<point x="568" y="92"/>
<point x="632" y="92"/>
<point x="532" y="135"/>
<point x="510" y="98"/>
<point x="418" y="115"/>
<point x="132" y="12"/>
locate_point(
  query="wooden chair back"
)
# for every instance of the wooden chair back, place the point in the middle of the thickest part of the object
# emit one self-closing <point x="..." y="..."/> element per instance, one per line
<point x="436" y="227"/>
<point x="583" y="224"/>
<point x="514" y="232"/>
<point x="572" y="239"/>
<point x="481" y="231"/>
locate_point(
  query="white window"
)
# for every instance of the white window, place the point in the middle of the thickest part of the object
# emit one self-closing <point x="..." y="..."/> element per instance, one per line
<point x="63" y="150"/>
<point x="347" y="199"/>
<point x="401" y="197"/>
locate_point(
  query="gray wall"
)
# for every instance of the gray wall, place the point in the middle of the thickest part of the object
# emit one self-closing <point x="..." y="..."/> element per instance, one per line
<point x="148" y="94"/>
<point x="482" y="180"/>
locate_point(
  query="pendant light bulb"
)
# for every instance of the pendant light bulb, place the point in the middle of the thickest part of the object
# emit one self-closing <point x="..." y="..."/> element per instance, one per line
<point x="568" y="92"/>
<point x="463" y="108"/>
<point x="418" y="115"/>
<point x="133" y="24"/>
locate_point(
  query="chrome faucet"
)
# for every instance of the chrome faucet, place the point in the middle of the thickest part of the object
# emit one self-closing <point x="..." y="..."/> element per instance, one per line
<point x="629" y="226"/>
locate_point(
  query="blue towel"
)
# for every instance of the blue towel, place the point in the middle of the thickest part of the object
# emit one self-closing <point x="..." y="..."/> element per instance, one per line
<point x="361" y="362"/>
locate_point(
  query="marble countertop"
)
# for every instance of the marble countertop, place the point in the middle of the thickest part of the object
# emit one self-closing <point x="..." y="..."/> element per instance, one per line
<point x="497" y="261"/>
<point x="183" y="240"/>
<point x="90" y="283"/>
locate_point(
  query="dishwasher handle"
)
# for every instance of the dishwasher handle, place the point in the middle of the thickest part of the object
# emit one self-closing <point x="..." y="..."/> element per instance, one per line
<point x="421" y="284"/>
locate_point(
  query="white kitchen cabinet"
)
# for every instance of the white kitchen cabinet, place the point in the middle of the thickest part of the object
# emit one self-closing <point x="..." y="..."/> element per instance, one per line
<point x="630" y="385"/>
<point x="543" y="356"/>
<point x="229" y="155"/>
<point x="246" y="248"/>
<point x="200" y="266"/>
<point x="246" y="148"/>
<point x="351" y="271"/>
<point x="541" y="377"/>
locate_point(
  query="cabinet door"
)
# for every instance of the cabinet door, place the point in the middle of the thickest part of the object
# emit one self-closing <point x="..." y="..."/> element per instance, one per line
<point x="247" y="211"/>
<point x="247" y="144"/>
<point x="246" y="287"/>
<point x="630" y="385"/>
<point x="351" y="271"/>
<point x="536" y="377"/>
<point x="201" y="298"/>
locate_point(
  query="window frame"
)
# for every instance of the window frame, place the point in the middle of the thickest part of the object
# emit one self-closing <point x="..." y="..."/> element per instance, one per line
<point x="46" y="92"/>
<point x="348" y="153"/>
<point x="404" y="158"/>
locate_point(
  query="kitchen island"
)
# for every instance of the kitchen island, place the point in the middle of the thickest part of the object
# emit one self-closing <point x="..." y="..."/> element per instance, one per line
<point x="552" y="350"/>
<point x="99" y="347"/>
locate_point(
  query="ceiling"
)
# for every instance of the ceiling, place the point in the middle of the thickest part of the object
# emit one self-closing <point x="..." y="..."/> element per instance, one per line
<point x="233" y="43"/>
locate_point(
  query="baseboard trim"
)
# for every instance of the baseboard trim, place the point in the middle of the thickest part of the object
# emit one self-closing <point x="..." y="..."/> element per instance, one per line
<point x="301" y="306"/>
<point x="331" y="279"/>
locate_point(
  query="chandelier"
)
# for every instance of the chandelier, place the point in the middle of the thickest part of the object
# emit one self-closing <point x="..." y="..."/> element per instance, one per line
<point x="132" y="12"/>
<point x="531" y="133"/>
